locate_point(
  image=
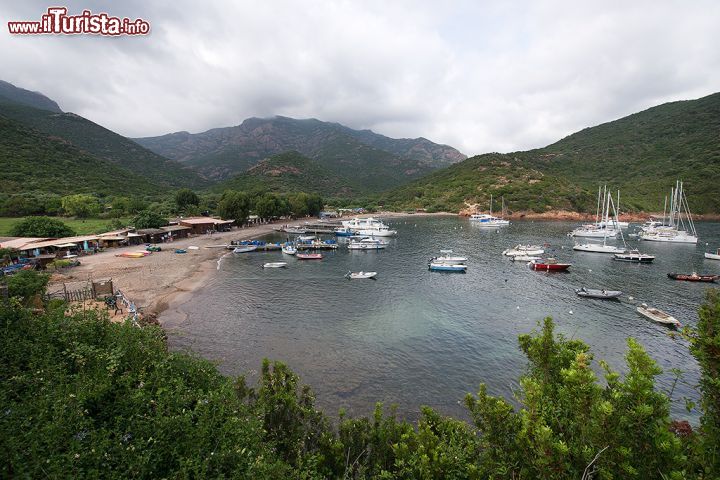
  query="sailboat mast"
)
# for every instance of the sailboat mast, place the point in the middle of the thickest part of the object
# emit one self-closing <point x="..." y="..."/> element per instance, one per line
<point x="597" y="212"/>
<point x="664" y="210"/>
<point x="491" y="204"/>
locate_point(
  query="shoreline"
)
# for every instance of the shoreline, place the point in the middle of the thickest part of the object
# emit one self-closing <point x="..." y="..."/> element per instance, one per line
<point x="161" y="283"/>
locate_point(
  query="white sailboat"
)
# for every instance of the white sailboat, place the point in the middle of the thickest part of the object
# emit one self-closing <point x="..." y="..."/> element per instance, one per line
<point x="604" y="247"/>
<point x="680" y="226"/>
<point x="485" y="220"/>
<point x="602" y="228"/>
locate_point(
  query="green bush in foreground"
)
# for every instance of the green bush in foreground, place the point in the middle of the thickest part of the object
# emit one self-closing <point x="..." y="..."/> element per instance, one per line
<point x="84" y="398"/>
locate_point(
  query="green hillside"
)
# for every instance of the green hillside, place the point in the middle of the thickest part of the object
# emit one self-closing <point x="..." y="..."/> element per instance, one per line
<point x="473" y="181"/>
<point x="371" y="162"/>
<point x="288" y="172"/>
<point x="642" y="155"/>
<point x="33" y="161"/>
<point x="103" y="143"/>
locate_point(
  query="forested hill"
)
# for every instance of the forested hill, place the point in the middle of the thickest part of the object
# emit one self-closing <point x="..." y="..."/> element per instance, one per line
<point x="375" y="162"/>
<point x="104" y="144"/>
<point x="288" y="172"/>
<point x="641" y="154"/>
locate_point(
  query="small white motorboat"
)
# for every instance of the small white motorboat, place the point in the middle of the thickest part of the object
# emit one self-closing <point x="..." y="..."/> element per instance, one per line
<point x="713" y="256"/>
<point x="529" y="250"/>
<point x="360" y="275"/>
<point x="275" y="265"/>
<point x="658" y="316"/>
<point x="245" y="249"/>
<point x="447" y="267"/>
<point x="601" y="294"/>
<point x="289" y="249"/>
<point x="524" y="258"/>
<point x="447" y="258"/>
<point x="306" y="238"/>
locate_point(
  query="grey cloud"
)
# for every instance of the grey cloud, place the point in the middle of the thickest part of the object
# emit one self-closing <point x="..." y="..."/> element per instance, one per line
<point x="481" y="76"/>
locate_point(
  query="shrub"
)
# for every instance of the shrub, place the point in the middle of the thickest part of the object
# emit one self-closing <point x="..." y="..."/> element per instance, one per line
<point x="42" y="227"/>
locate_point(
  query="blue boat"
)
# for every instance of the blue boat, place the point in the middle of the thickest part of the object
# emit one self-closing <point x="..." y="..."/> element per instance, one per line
<point x="343" y="232"/>
<point x="447" y="267"/>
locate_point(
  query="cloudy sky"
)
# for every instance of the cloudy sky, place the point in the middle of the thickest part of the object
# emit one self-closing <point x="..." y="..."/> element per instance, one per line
<point x="478" y="75"/>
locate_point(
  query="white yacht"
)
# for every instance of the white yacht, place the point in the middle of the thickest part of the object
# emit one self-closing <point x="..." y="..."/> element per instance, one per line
<point x="367" y="243"/>
<point x="680" y="227"/>
<point x="369" y="226"/>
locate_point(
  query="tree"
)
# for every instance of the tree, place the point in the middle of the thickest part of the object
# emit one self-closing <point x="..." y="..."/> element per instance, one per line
<point x="80" y="205"/>
<point x="26" y="284"/>
<point x="186" y="197"/>
<point x="235" y="205"/>
<point x="705" y="347"/>
<point x="149" y="219"/>
<point x="42" y="227"/>
<point x="268" y="206"/>
<point x="299" y="204"/>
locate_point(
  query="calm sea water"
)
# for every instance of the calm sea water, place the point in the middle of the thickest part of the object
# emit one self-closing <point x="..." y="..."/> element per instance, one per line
<point x="415" y="337"/>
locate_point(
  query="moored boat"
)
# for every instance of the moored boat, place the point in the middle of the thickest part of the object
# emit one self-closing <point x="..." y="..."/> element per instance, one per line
<point x="447" y="267"/>
<point x="343" y="232"/>
<point x="597" y="248"/>
<point x="658" y="315"/>
<point x="275" y="265"/>
<point x="288" y="249"/>
<point x="595" y="293"/>
<point x="309" y="256"/>
<point x="360" y="275"/>
<point x="524" y="258"/>
<point x="713" y="256"/>
<point x="549" y="265"/>
<point x="447" y="258"/>
<point x="366" y="243"/>
<point x="245" y="249"/>
<point x="634" y="256"/>
<point x="529" y="250"/>
<point x="693" y="277"/>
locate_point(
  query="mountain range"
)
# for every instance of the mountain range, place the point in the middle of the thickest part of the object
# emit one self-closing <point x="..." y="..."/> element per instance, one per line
<point x="365" y="160"/>
<point x="46" y="150"/>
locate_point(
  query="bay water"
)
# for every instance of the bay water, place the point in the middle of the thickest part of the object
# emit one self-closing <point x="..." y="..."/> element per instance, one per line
<point x="414" y="337"/>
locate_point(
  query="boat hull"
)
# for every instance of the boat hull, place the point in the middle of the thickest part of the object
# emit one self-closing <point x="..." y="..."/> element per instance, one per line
<point x="599" y="294"/>
<point x="669" y="238"/>
<point x="635" y="258"/>
<point x="658" y="316"/>
<point x="592" y="248"/>
<point x="309" y="256"/>
<point x="712" y="256"/>
<point x="249" y="248"/>
<point x="693" y="278"/>
<point x="550" y="267"/>
<point x="445" y="267"/>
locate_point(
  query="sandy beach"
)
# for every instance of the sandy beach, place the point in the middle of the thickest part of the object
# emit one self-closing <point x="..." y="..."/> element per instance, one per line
<point x="162" y="279"/>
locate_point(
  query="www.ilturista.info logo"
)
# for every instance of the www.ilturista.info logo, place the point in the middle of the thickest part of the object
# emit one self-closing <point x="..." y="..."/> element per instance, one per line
<point x="57" y="21"/>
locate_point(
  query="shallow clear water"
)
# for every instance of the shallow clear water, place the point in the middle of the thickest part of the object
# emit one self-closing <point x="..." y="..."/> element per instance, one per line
<point x="415" y="337"/>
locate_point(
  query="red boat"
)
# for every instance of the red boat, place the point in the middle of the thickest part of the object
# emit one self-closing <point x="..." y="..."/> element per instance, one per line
<point x="693" y="277"/>
<point x="309" y="256"/>
<point x="548" y="265"/>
